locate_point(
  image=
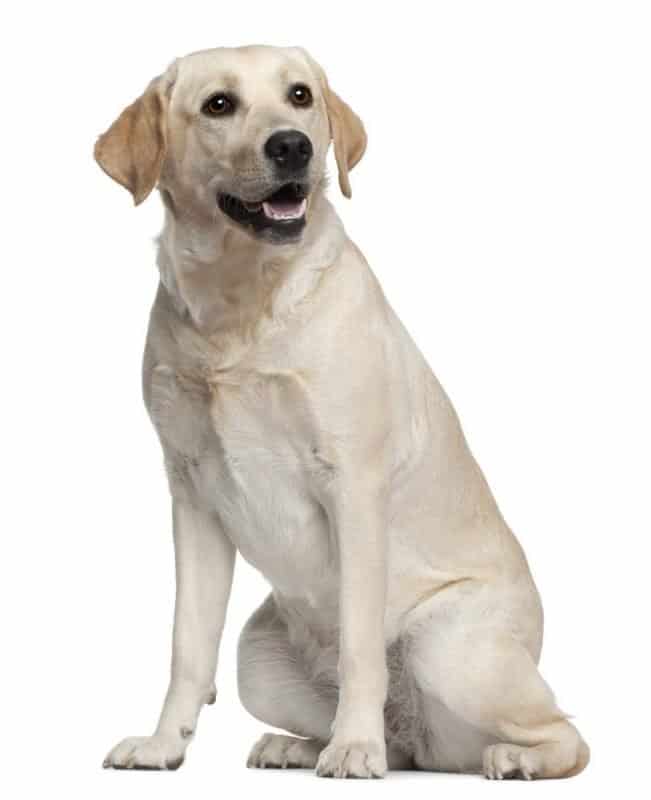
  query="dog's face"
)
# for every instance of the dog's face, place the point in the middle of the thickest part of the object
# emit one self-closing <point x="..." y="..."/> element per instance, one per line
<point x="241" y="133"/>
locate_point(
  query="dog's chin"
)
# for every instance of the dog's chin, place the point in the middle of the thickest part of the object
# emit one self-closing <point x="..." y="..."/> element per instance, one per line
<point x="280" y="217"/>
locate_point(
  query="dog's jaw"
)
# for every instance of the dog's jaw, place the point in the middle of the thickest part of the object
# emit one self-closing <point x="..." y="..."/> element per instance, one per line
<point x="278" y="217"/>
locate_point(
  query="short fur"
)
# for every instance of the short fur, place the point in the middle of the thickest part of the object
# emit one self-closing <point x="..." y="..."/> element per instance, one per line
<point x="302" y="427"/>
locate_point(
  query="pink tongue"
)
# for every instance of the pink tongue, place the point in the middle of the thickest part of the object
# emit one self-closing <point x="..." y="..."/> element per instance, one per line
<point x="284" y="210"/>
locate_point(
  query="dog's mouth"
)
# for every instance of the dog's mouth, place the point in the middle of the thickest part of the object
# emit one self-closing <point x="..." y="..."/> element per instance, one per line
<point x="279" y="217"/>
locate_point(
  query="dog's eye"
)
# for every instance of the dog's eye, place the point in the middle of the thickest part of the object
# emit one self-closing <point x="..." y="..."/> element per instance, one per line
<point x="300" y="95"/>
<point x="218" y="105"/>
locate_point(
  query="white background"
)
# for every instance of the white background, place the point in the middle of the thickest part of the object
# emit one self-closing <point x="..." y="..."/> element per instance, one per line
<point x="504" y="203"/>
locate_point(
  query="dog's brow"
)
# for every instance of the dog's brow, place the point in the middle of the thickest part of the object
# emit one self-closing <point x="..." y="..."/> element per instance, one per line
<point x="291" y="75"/>
<point x="223" y="80"/>
<point x="217" y="82"/>
<point x="230" y="80"/>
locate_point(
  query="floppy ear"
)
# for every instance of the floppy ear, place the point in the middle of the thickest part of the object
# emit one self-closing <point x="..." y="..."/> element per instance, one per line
<point x="133" y="148"/>
<point x="348" y="136"/>
<point x="346" y="128"/>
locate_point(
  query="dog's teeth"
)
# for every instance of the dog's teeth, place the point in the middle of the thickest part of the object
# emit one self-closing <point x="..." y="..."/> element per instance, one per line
<point x="284" y="211"/>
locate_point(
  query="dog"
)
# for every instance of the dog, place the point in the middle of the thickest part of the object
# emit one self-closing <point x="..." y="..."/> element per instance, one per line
<point x="301" y="427"/>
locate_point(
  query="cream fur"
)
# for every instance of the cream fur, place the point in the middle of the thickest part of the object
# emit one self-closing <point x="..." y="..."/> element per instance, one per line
<point x="302" y="427"/>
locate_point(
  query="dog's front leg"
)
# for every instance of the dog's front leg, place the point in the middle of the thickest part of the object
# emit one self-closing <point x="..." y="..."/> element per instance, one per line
<point x="204" y="570"/>
<point x="357" y="747"/>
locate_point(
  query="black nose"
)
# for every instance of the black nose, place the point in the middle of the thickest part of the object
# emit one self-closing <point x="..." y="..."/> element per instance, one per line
<point x="289" y="150"/>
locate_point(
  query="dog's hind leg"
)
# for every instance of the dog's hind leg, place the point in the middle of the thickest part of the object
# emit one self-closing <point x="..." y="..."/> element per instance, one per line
<point x="498" y="715"/>
<point x="275" y="687"/>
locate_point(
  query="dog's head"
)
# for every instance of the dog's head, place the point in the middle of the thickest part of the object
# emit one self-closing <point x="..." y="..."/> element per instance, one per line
<point x="240" y="132"/>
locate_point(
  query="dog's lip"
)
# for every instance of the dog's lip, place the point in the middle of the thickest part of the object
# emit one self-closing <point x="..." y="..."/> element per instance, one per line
<point x="292" y="193"/>
<point x="281" y="216"/>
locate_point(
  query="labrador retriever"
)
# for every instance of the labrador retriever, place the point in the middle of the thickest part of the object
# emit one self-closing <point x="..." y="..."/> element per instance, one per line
<point x="301" y="427"/>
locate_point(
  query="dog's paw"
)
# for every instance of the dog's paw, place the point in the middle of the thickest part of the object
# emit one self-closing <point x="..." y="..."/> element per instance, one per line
<point x="147" y="752"/>
<point x="511" y="761"/>
<point x="284" y="752"/>
<point x="353" y="760"/>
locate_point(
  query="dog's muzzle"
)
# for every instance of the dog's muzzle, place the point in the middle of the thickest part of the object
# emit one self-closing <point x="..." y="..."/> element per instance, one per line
<point x="280" y="216"/>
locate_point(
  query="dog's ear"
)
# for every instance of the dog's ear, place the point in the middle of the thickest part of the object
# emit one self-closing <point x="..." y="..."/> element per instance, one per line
<point x="348" y="136"/>
<point x="346" y="128"/>
<point x="133" y="148"/>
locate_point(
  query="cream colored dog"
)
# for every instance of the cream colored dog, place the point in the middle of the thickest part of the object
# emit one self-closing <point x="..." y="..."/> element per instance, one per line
<point x="302" y="428"/>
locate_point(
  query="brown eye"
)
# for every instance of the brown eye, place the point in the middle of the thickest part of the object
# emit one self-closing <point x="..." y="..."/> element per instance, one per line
<point x="300" y="95"/>
<point x="218" y="105"/>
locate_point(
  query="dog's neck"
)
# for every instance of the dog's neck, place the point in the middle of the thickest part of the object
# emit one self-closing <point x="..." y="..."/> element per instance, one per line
<point x="225" y="281"/>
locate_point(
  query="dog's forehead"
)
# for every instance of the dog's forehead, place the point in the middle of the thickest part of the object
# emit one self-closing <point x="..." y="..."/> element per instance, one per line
<point x="242" y="68"/>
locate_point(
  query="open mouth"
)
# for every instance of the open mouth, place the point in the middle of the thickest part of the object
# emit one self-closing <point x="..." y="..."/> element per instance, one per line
<point x="280" y="216"/>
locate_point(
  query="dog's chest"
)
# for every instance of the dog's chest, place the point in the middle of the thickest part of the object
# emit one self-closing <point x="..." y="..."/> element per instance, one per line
<point x="243" y="445"/>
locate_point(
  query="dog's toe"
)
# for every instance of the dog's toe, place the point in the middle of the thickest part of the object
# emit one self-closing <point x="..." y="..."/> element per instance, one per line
<point x="353" y="760"/>
<point x="510" y="761"/>
<point x="147" y="752"/>
<point x="274" y="751"/>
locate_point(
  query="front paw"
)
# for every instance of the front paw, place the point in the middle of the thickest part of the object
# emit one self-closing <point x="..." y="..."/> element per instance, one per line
<point x="147" y="752"/>
<point x="353" y="760"/>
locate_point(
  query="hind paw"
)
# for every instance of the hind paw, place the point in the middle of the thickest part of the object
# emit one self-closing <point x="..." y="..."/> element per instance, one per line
<point x="274" y="751"/>
<point x="511" y="761"/>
